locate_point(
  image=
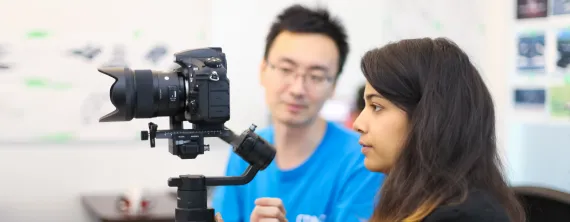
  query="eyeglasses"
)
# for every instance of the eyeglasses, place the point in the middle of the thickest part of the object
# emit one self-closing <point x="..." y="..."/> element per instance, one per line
<point x="315" y="79"/>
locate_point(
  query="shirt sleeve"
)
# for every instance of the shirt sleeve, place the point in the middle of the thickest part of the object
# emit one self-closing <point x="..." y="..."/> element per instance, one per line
<point x="357" y="195"/>
<point x="227" y="199"/>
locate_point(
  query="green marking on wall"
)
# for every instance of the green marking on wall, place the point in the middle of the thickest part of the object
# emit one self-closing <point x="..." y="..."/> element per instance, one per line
<point x="60" y="137"/>
<point x="533" y="33"/>
<point x="437" y="25"/>
<point x="202" y="35"/>
<point x="36" y="83"/>
<point x="137" y="34"/>
<point x="46" y="84"/>
<point x="37" y="34"/>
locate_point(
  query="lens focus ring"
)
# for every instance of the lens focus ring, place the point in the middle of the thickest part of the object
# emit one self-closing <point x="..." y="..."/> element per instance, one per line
<point x="144" y="93"/>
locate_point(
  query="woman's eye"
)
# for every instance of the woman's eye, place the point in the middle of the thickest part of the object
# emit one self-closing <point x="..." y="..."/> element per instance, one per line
<point x="376" y="108"/>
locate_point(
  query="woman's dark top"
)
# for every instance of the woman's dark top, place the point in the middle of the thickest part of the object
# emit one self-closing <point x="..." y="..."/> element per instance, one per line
<point x="478" y="207"/>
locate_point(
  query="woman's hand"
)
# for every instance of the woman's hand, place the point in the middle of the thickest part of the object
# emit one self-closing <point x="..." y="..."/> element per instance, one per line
<point x="268" y="209"/>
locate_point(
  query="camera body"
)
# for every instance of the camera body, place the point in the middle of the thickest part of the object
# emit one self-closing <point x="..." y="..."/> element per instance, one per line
<point x="198" y="91"/>
<point x="206" y="87"/>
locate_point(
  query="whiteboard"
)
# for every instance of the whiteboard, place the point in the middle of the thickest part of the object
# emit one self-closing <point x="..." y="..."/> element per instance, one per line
<point x="50" y="88"/>
<point x="459" y="20"/>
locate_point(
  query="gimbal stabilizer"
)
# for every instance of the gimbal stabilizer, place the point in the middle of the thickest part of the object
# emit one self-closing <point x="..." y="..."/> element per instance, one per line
<point x="187" y="144"/>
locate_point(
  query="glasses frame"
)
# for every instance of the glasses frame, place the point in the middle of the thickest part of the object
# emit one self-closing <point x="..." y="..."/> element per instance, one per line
<point x="327" y="82"/>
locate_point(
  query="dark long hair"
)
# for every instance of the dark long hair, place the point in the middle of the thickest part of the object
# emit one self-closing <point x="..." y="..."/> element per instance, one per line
<point x="451" y="147"/>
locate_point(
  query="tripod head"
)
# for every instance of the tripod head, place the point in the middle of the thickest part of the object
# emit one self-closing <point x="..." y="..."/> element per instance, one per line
<point x="188" y="144"/>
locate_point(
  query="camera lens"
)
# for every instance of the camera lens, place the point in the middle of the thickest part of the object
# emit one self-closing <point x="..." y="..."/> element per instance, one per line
<point x="144" y="94"/>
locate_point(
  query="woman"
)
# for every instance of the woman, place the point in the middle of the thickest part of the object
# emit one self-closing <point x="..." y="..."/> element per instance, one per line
<point x="429" y="124"/>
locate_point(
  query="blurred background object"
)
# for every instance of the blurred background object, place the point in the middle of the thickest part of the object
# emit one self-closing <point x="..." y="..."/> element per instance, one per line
<point x="357" y="106"/>
<point x="544" y="204"/>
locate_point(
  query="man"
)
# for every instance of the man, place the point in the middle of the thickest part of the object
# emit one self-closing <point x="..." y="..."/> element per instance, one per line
<point x="318" y="172"/>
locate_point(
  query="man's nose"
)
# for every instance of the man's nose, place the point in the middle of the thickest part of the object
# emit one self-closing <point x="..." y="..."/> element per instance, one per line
<point x="297" y="87"/>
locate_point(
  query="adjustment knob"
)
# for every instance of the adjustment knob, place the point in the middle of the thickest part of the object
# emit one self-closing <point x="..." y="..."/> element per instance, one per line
<point x="144" y="135"/>
<point x="213" y="62"/>
<point x="252" y="127"/>
<point x="174" y="182"/>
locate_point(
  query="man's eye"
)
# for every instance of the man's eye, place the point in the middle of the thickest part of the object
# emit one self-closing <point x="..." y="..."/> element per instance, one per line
<point x="286" y="70"/>
<point x="317" y="78"/>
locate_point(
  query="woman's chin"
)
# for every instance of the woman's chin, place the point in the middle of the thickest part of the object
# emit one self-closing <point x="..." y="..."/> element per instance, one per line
<point x="372" y="165"/>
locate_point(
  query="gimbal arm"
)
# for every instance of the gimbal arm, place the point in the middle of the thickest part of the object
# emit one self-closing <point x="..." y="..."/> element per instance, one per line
<point x="192" y="192"/>
<point x="253" y="149"/>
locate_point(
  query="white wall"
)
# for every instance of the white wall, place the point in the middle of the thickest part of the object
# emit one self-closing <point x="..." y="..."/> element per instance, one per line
<point x="496" y="21"/>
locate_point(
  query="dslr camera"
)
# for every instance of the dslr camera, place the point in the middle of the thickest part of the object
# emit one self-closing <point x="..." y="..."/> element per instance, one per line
<point x="197" y="91"/>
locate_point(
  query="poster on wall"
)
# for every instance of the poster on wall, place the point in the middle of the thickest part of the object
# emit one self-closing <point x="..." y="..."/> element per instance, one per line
<point x="559" y="101"/>
<point x="560" y="7"/>
<point x="530" y="98"/>
<point x="532" y="9"/>
<point x="563" y="50"/>
<point x="530" y="57"/>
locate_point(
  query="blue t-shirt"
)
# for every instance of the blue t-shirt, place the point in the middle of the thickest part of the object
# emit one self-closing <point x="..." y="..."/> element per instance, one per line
<point x="331" y="185"/>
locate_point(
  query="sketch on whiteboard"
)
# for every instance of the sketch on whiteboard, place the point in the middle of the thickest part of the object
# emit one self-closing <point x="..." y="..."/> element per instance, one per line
<point x="3" y="64"/>
<point x="88" y="52"/>
<point x="460" y="21"/>
<point x="118" y="57"/>
<point x="63" y="78"/>
<point x="156" y="54"/>
<point x="91" y="107"/>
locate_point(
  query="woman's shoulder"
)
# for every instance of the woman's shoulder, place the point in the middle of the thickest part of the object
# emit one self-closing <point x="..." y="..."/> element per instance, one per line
<point x="479" y="206"/>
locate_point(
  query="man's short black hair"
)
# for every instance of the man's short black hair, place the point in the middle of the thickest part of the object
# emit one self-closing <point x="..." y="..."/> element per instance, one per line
<point x="360" y="103"/>
<point x="301" y="19"/>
